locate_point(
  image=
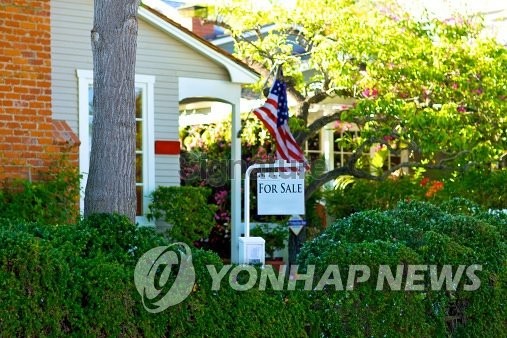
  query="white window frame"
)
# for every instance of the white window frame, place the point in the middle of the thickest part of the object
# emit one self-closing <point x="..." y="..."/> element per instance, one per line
<point x="146" y="82"/>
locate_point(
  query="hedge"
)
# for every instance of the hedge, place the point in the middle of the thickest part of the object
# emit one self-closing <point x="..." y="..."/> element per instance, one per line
<point x="456" y="233"/>
<point x="78" y="280"/>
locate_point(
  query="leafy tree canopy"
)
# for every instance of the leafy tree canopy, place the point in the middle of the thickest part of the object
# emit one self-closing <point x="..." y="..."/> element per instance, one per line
<point x="436" y="89"/>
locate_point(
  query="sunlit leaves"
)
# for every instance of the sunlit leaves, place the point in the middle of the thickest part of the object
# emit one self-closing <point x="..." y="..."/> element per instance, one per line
<point x="440" y="87"/>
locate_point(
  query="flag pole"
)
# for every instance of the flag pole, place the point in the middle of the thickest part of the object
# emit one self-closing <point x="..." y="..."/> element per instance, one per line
<point x="276" y="70"/>
<point x="278" y="74"/>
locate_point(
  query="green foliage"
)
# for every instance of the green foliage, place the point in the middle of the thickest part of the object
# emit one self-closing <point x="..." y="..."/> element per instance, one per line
<point x="207" y="150"/>
<point x="70" y="279"/>
<point x="275" y="236"/>
<point x="486" y="188"/>
<point x="435" y="88"/>
<point x="52" y="199"/>
<point x="206" y="163"/>
<point x="227" y="312"/>
<point x="186" y="209"/>
<point x="457" y="233"/>
<point x="77" y="280"/>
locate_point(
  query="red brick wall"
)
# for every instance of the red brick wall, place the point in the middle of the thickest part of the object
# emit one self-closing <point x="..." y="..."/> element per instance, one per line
<point x="27" y="142"/>
<point x="203" y="30"/>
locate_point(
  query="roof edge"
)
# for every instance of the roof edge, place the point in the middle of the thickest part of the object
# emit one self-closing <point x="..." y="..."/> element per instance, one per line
<point x="239" y="72"/>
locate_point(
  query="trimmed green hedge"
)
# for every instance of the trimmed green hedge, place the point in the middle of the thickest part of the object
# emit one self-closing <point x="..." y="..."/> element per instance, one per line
<point x="78" y="280"/>
<point x="186" y="209"/>
<point x="456" y="233"/>
<point x="53" y="199"/>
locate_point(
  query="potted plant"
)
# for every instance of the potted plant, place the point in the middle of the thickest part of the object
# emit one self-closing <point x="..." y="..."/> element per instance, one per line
<point x="275" y="236"/>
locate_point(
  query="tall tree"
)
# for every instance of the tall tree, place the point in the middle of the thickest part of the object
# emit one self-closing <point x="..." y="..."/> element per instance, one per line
<point x="434" y="89"/>
<point x="111" y="178"/>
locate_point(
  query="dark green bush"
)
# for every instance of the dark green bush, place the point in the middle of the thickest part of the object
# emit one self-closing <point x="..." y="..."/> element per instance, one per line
<point x="70" y="278"/>
<point x="457" y="233"/>
<point x="78" y="280"/>
<point x="52" y="199"/>
<point x="186" y="209"/>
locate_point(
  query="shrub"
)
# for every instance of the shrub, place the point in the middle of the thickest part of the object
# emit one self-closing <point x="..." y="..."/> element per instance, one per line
<point x="70" y="279"/>
<point x="485" y="188"/>
<point x="53" y="198"/>
<point x="186" y="209"/>
<point x="274" y="235"/>
<point x="457" y="233"/>
<point x="78" y="280"/>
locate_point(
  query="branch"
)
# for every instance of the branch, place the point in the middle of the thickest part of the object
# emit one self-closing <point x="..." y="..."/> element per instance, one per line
<point x="349" y="169"/>
<point x="323" y="179"/>
<point x="306" y="104"/>
<point x="318" y="124"/>
<point x="440" y="165"/>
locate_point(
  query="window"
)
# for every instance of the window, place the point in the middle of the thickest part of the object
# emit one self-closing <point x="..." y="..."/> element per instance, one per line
<point x="312" y="148"/>
<point x="343" y="146"/>
<point x="145" y="173"/>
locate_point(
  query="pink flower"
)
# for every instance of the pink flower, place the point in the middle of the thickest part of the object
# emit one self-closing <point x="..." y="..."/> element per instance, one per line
<point x="461" y="109"/>
<point x="370" y="93"/>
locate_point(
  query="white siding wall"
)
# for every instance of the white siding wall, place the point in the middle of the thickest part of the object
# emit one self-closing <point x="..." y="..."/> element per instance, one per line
<point x="158" y="54"/>
<point x="71" y="23"/>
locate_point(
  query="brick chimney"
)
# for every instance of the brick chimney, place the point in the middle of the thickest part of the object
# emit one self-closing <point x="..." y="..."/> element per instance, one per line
<point x="196" y="14"/>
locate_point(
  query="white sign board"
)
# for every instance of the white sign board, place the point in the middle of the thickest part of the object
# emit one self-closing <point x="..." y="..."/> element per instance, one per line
<point x="280" y="193"/>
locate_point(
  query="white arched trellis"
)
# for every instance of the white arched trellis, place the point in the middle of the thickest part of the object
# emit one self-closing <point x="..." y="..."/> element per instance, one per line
<point x="231" y="93"/>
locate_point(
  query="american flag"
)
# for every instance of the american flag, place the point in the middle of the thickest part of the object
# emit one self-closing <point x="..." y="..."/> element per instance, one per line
<point x="274" y="114"/>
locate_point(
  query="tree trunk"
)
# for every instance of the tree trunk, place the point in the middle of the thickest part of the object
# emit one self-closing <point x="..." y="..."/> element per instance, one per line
<point x="111" y="178"/>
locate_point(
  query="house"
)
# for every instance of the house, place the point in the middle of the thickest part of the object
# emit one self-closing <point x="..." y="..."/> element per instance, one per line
<point x="46" y="88"/>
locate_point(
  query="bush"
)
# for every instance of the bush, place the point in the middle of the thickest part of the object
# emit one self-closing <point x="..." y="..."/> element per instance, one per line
<point x="486" y="188"/>
<point x="78" y="280"/>
<point x="186" y="209"/>
<point x="457" y="233"/>
<point x="54" y="198"/>
<point x="70" y="278"/>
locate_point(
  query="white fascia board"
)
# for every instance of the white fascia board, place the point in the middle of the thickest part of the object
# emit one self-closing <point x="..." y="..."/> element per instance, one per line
<point x="237" y="73"/>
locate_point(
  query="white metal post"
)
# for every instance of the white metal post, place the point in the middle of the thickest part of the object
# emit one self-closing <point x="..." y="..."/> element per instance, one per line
<point x="235" y="182"/>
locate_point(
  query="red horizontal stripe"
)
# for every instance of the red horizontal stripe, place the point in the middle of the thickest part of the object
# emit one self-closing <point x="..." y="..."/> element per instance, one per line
<point x="167" y="147"/>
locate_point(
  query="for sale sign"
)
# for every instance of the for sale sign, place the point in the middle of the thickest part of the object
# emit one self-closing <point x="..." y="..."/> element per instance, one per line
<point x="280" y="193"/>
